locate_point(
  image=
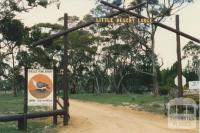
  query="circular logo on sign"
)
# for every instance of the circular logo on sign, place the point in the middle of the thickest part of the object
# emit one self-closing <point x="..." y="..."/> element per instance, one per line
<point x="40" y="86"/>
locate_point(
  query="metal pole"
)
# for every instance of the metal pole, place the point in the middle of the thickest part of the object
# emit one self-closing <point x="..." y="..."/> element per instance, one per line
<point x="154" y="22"/>
<point x="55" y="120"/>
<point x="65" y="31"/>
<point x="65" y="79"/>
<point x="180" y="87"/>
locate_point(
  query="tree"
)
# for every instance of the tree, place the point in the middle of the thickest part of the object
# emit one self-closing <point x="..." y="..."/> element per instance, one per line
<point x="81" y="55"/>
<point x="81" y="52"/>
<point x="12" y="34"/>
<point x="192" y="55"/>
<point x="159" y="11"/>
<point x="140" y="38"/>
<point x="132" y="48"/>
<point x="167" y="81"/>
<point x="43" y="56"/>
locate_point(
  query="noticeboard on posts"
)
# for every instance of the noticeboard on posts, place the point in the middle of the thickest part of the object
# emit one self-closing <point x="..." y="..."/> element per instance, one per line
<point x="40" y="87"/>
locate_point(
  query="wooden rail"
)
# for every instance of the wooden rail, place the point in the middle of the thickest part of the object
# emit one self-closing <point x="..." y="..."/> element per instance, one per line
<point x="19" y="117"/>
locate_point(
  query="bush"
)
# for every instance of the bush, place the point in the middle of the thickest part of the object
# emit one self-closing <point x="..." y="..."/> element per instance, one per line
<point x="156" y="105"/>
<point x="164" y="90"/>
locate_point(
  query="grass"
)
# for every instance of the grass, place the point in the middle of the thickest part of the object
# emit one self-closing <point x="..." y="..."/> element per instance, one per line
<point x="11" y="105"/>
<point x="144" y="102"/>
<point x="34" y="126"/>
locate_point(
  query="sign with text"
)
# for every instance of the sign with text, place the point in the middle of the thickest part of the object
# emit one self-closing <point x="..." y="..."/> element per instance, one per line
<point x="194" y="85"/>
<point x="124" y="20"/>
<point x="40" y="87"/>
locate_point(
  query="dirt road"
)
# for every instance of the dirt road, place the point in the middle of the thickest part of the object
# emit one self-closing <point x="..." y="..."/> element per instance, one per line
<point x="87" y="117"/>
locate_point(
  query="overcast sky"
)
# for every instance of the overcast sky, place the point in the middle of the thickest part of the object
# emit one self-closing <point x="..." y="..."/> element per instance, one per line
<point x="165" y="40"/>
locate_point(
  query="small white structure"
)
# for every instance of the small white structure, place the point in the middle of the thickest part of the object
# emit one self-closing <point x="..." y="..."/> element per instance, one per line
<point x="182" y="113"/>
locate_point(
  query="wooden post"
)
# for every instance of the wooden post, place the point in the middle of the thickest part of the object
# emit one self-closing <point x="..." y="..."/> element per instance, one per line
<point x="26" y="99"/>
<point x="65" y="79"/>
<point x="55" y="120"/>
<point x="180" y="87"/>
<point x="22" y="124"/>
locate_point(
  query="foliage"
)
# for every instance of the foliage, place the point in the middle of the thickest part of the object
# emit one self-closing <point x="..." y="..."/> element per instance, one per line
<point x="13" y="34"/>
<point x="192" y="54"/>
<point x="12" y="30"/>
<point x="168" y="76"/>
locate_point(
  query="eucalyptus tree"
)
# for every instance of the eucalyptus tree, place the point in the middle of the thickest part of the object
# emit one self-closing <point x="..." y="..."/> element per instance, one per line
<point x="127" y="55"/>
<point x="192" y="55"/>
<point x="124" y="49"/>
<point x="158" y="11"/>
<point x="144" y="34"/>
<point x="12" y="34"/>
<point x="46" y="54"/>
<point x="81" y="51"/>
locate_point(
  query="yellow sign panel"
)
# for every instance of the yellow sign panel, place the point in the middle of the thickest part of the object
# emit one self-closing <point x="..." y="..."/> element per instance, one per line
<point x="124" y="20"/>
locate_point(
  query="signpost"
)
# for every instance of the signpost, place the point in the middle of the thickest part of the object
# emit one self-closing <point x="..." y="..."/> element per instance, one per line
<point x="40" y="87"/>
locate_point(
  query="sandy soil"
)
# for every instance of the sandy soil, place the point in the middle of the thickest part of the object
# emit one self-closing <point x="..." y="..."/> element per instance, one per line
<point x="87" y="117"/>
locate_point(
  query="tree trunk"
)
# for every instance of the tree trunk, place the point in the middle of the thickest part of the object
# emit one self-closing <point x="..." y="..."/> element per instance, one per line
<point x="198" y="71"/>
<point x="119" y="88"/>
<point x="13" y="77"/>
<point x="155" y="77"/>
<point x="97" y="84"/>
<point x="93" y="86"/>
<point x="73" y="89"/>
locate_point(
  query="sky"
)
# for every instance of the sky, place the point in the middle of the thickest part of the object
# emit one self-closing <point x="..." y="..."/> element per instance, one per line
<point x="165" y="41"/>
